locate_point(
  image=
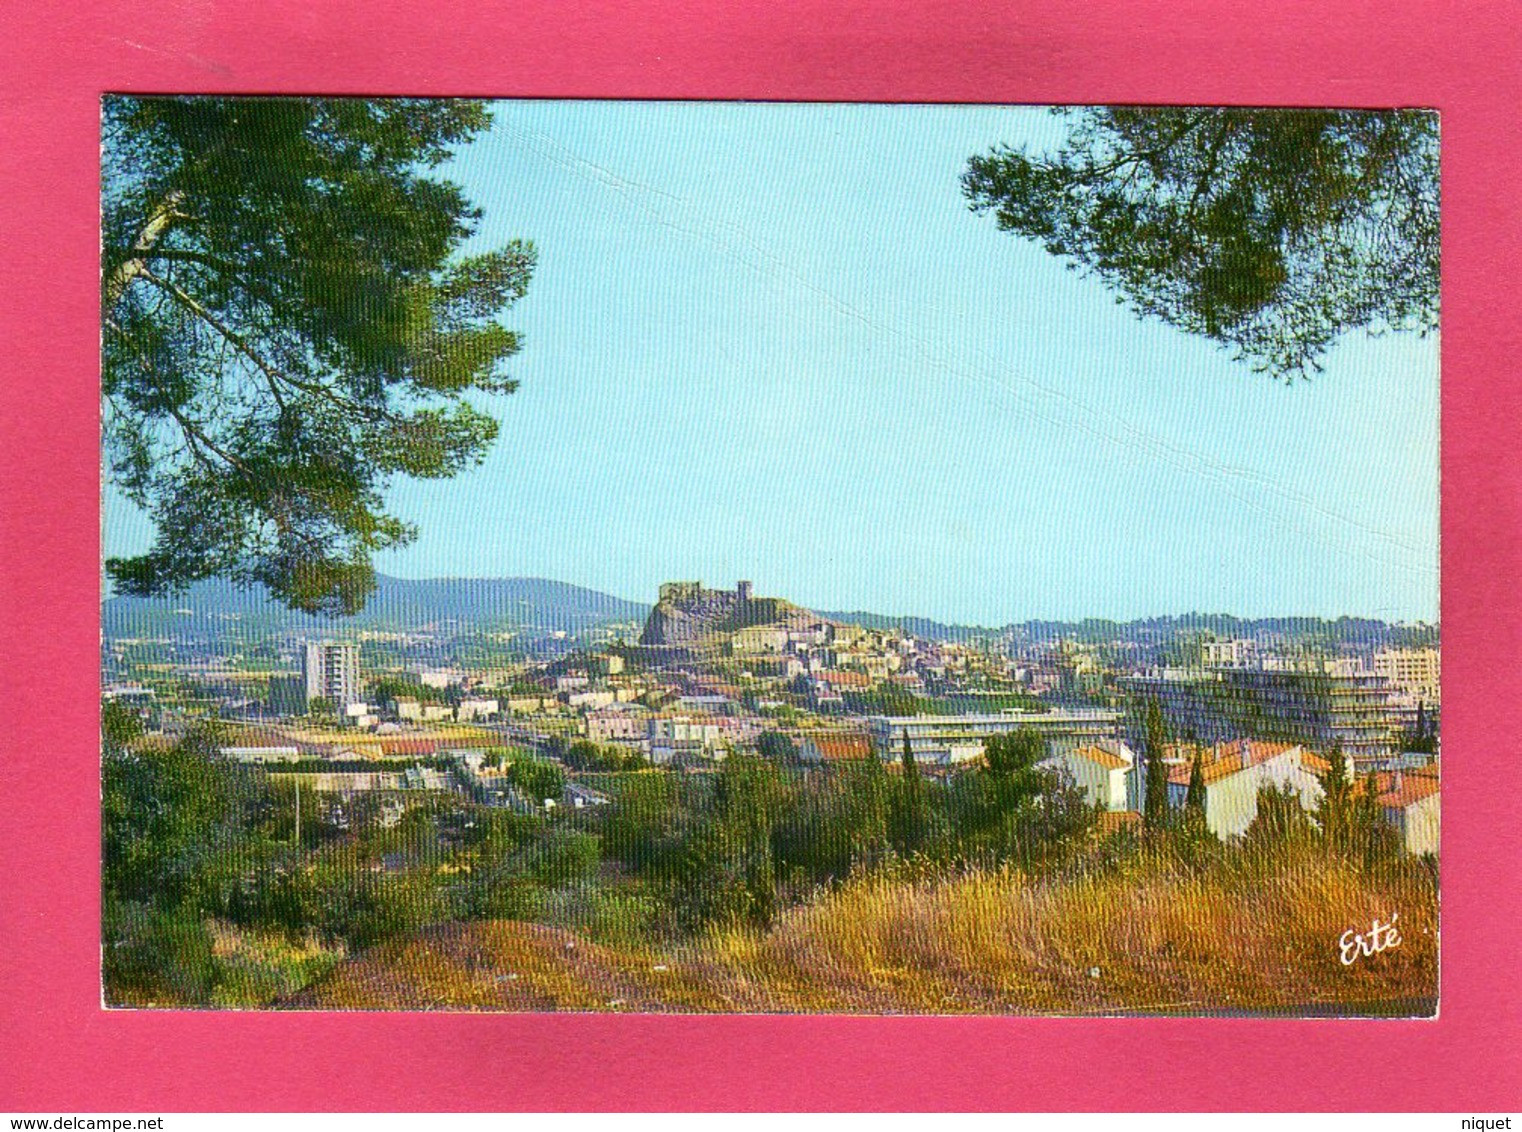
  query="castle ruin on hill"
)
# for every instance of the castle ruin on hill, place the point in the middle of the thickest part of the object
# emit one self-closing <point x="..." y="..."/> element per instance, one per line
<point x="687" y="612"/>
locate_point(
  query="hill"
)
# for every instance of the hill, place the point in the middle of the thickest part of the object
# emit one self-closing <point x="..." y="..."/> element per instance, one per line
<point x="399" y="604"/>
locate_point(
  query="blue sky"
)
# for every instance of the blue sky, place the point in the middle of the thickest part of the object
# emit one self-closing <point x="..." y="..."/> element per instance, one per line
<point x="771" y="342"/>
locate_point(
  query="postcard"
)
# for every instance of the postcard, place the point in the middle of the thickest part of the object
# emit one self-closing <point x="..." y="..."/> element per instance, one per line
<point x="906" y="378"/>
<point x="760" y="558"/>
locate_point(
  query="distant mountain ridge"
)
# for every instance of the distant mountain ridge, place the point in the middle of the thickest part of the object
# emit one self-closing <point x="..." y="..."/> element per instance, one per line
<point x="397" y="603"/>
<point x="406" y="603"/>
<point x="1365" y="631"/>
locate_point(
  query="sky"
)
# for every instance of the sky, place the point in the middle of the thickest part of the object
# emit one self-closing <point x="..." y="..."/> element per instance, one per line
<point x="771" y="342"/>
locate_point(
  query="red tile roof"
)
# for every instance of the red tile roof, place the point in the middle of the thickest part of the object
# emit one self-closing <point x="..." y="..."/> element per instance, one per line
<point x="1101" y="757"/>
<point x="1225" y="759"/>
<point x="840" y="747"/>
<point x="842" y="679"/>
<point x="1414" y="786"/>
<point x="1315" y="763"/>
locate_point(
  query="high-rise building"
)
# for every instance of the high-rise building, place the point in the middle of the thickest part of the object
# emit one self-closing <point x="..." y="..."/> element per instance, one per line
<point x="330" y="669"/>
<point x="1358" y="710"/>
<point x="1414" y="671"/>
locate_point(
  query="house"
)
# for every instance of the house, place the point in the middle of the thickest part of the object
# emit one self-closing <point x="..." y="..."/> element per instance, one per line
<point x="834" y="747"/>
<point x="475" y="707"/>
<point x="471" y="759"/>
<point x="948" y="739"/>
<point x="438" y="678"/>
<point x="361" y="715"/>
<point x="605" y="664"/>
<point x="712" y="704"/>
<point x="1234" y="772"/>
<point x="679" y="752"/>
<point x="758" y="640"/>
<point x="1103" y="771"/>
<point x="684" y="739"/>
<point x="1409" y="800"/>
<point x="845" y="680"/>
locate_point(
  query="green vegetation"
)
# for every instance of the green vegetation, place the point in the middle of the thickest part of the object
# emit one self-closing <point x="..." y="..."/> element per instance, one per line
<point x="538" y="780"/>
<point x="389" y="689"/>
<point x="1170" y="926"/>
<point x="208" y="898"/>
<point x="585" y="755"/>
<point x="1271" y="232"/>
<point x="1156" y="810"/>
<point x="775" y="747"/>
<point x="287" y="324"/>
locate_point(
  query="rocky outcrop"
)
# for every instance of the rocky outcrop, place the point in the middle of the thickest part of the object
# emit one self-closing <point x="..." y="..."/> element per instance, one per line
<point x="687" y="613"/>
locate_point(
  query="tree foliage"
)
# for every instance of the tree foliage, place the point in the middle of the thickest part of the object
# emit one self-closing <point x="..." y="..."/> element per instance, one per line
<point x="539" y="780"/>
<point x="1271" y="232"/>
<point x="775" y="747"/>
<point x="1335" y="810"/>
<point x="1280" y="818"/>
<point x="288" y="323"/>
<point x="1422" y="739"/>
<point x="1014" y="755"/>
<point x="1194" y="797"/>
<point x="119" y="726"/>
<point x="909" y="820"/>
<point x="1155" y="812"/>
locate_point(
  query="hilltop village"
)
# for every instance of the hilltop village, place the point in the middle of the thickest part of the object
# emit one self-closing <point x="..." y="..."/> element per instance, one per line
<point x="398" y="714"/>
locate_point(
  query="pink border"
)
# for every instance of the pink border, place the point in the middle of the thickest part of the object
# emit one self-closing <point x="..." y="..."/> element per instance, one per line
<point x="63" y="1053"/>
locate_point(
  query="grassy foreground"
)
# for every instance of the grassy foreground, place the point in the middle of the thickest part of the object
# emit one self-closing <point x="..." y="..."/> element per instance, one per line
<point x="1153" y="934"/>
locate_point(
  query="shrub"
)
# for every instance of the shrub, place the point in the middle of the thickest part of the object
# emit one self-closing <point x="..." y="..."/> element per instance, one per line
<point x="155" y="956"/>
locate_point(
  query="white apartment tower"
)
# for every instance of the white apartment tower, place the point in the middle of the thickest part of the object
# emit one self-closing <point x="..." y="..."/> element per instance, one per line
<point x="330" y="669"/>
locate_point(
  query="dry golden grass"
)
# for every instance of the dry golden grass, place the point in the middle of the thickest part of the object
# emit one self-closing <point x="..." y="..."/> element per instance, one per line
<point x="1111" y="944"/>
<point x="1155" y="937"/>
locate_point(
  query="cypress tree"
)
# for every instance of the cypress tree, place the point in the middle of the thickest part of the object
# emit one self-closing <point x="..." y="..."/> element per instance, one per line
<point x="1194" y="798"/>
<point x="1155" y="811"/>
<point x="875" y="806"/>
<point x="1370" y="818"/>
<point x="911" y="768"/>
<point x="1337" y="790"/>
<point x="909" y="819"/>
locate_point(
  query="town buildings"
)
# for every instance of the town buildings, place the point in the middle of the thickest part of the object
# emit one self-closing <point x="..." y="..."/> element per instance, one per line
<point x="824" y="747"/>
<point x="727" y="667"/>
